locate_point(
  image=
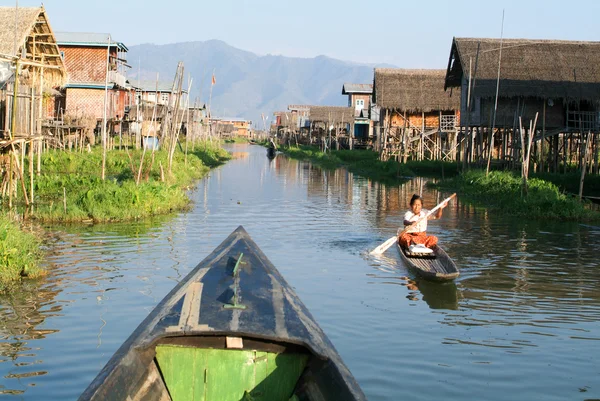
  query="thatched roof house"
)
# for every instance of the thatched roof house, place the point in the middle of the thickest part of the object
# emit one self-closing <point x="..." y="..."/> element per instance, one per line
<point x="542" y="69"/>
<point x="25" y="33"/>
<point x="412" y="90"/>
<point x="331" y="114"/>
<point x="558" y="79"/>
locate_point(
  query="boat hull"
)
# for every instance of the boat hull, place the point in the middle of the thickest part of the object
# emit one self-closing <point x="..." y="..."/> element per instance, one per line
<point x="233" y="329"/>
<point x="438" y="267"/>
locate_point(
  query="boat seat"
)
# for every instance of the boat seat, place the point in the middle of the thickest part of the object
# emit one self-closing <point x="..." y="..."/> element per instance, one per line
<point x="421" y="255"/>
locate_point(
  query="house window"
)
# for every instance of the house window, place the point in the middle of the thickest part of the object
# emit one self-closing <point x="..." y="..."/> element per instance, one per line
<point x="62" y="55"/>
<point x="164" y="97"/>
<point x="360" y="103"/>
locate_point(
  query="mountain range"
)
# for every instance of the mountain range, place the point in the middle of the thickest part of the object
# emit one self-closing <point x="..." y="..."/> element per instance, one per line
<point x="246" y="84"/>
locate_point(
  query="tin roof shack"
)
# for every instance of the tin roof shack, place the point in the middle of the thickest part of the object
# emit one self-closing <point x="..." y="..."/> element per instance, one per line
<point x="359" y="97"/>
<point x="27" y="46"/>
<point x="417" y="118"/>
<point x="156" y="92"/>
<point x="332" y="123"/>
<point x="94" y="62"/>
<point x="558" y="80"/>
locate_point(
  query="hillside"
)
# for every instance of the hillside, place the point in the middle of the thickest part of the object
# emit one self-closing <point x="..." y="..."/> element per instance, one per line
<point x="248" y="84"/>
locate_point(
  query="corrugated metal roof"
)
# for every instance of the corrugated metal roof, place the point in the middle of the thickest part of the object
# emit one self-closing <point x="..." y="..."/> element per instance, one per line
<point x="150" y="85"/>
<point x="87" y="38"/>
<point x="357" y="88"/>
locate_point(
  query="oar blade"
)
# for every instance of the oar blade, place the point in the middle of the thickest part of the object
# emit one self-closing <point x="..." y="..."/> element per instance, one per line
<point x="384" y="247"/>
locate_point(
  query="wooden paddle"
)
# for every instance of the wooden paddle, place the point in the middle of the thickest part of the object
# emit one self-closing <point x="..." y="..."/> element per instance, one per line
<point x="385" y="246"/>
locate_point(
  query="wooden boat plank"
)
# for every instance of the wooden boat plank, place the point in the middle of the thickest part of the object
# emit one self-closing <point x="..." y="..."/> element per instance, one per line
<point x="439" y="268"/>
<point x="199" y="310"/>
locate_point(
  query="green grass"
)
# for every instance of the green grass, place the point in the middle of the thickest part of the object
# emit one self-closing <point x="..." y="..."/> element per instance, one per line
<point x="19" y="254"/>
<point x="75" y="179"/>
<point x="236" y="139"/>
<point x="569" y="182"/>
<point x="362" y="162"/>
<point x="501" y="191"/>
<point x="433" y="168"/>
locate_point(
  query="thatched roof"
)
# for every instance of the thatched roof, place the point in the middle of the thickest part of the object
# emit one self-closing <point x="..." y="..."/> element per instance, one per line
<point x="26" y="18"/>
<point x="34" y="39"/>
<point x="529" y="68"/>
<point x="331" y="114"/>
<point x="412" y="90"/>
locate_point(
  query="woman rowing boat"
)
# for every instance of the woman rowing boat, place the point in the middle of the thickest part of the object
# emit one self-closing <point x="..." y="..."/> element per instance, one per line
<point x="416" y="224"/>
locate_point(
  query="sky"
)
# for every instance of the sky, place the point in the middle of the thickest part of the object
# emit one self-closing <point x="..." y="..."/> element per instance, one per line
<point x="407" y="34"/>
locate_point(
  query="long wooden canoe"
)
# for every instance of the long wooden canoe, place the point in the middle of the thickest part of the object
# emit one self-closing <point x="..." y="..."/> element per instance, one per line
<point x="436" y="266"/>
<point x="233" y="329"/>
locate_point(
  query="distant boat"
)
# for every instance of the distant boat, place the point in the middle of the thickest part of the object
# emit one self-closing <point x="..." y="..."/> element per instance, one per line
<point x="437" y="266"/>
<point x="271" y="152"/>
<point x="233" y="329"/>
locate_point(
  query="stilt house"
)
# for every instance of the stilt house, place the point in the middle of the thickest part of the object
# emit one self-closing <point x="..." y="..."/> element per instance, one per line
<point x="94" y="61"/>
<point x="359" y="97"/>
<point x="417" y="118"/>
<point x="27" y="47"/>
<point x="331" y="124"/>
<point x="502" y="81"/>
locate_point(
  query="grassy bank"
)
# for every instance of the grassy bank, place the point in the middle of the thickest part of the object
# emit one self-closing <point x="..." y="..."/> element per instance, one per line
<point x="71" y="189"/>
<point x="362" y="162"/>
<point x="236" y="139"/>
<point x="501" y="191"/>
<point x="19" y="254"/>
<point x="570" y="182"/>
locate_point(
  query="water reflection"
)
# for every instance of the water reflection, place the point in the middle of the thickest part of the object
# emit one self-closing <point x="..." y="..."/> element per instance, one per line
<point x="526" y="290"/>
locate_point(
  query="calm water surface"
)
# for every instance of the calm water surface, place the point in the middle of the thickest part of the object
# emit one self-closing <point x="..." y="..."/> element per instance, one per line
<point x="522" y="322"/>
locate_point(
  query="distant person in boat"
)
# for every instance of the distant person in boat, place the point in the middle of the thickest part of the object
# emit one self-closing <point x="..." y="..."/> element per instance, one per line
<point x="272" y="144"/>
<point x="416" y="232"/>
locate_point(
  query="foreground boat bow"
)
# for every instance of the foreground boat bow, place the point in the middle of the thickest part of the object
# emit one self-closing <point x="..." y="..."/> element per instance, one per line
<point x="233" y="329"/>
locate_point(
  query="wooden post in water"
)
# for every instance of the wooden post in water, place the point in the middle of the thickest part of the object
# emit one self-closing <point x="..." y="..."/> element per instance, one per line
<point x="584" y="164"/>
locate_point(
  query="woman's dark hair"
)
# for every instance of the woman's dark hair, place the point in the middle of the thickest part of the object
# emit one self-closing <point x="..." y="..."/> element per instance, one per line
<point x="414" y="198"/>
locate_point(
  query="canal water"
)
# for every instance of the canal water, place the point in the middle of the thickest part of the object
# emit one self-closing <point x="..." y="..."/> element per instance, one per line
<point x="522" y="322"/>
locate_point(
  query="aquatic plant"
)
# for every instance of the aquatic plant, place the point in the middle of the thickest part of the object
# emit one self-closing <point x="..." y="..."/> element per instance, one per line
<point x="501" y="192"/>
<point x="362" y="162"/>
<point x="19" y="254"/>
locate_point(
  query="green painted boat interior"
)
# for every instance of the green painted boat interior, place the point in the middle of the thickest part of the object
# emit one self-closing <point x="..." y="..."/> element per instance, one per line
<point x="202" y="374"/>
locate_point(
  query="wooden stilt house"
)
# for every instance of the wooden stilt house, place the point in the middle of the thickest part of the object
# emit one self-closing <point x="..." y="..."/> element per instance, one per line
<point x="30" y="67"/>
<point x="332" y="126"/>
<point x="417" y="118"/>
<point x="359" y="97"/>
<point x="504" y="81"/>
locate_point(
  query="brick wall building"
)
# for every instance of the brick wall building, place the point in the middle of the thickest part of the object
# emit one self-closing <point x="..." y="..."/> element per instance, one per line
<point x="85" y="57"/>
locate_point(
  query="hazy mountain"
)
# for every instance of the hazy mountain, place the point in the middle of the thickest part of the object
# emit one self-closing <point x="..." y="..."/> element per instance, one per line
<point x="248" y="84"/>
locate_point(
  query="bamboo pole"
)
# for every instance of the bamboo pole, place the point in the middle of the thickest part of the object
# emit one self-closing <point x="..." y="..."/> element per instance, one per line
<point x="104" y="144"/>
<point x="491" y="145"/>
<point x="584" y="165"/>
<point x="31" y="153"/>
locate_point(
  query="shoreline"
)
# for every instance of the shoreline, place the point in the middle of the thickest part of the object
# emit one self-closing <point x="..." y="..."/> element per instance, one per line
<point x="70" y="191"/>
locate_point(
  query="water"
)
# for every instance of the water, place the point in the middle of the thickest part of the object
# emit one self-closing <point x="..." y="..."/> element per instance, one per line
<point x="522" y="322"/>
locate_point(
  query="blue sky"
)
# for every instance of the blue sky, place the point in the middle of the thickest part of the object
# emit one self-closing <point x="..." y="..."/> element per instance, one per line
<point x="415" y="34"/>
